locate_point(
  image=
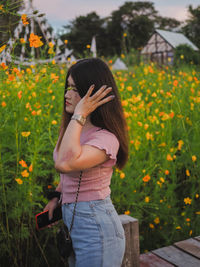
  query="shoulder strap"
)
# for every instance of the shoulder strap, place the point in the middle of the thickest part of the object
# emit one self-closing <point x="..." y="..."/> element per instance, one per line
<point x="79" y="184"/>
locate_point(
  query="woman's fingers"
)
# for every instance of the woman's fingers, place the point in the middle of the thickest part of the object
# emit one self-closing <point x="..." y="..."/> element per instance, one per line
<point x="102" y="92"/>
<point x="105" y="100"/>
<point x="89" y="92"/>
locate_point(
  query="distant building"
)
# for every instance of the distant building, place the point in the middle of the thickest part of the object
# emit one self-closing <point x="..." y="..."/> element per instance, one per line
<point x="161" y="45"/>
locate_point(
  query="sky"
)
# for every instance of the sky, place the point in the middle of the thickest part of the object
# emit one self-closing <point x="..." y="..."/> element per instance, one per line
<point x="61" y="12"/>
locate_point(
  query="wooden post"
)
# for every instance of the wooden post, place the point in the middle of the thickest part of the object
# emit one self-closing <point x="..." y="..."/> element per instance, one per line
<point x="132" y="251"/>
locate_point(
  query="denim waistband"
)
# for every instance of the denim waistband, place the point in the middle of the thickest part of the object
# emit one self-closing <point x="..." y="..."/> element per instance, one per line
<point x="92" y="203"/>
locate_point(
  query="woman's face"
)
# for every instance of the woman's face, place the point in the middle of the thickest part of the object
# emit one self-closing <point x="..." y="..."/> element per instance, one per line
<point x="72" y="96"/>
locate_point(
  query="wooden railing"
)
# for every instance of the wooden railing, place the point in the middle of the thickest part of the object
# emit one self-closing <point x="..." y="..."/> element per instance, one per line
<point x="132" y="251"/>
<point x="184" y="253"/>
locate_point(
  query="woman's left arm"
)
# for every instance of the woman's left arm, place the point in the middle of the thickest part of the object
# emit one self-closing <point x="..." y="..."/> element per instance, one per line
<point x="71" y="155"/>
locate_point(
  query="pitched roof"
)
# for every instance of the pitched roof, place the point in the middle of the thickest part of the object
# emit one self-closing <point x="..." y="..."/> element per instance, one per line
<point x="175" y="39"/>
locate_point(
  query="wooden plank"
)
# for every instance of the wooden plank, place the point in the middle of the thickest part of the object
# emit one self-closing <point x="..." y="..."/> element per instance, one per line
<point x="190" y="245"/>
<point x="177" y="257"/>
<point x="132" y="251"/>
<point x="151" y="260"/>
<point x="197" y="238"/>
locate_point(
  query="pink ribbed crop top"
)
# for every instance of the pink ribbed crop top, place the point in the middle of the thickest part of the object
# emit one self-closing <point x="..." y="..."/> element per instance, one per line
<point x="95" y="183"/>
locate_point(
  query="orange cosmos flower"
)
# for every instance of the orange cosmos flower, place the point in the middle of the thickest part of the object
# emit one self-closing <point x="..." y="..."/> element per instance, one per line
<point x="175" y="83"/>
<point x="35" y="40"/>
<point x="19" y="181"/>
<point x="19" y="94"/>
<point x="23" y="163"/>
<point x="166" y="172"/>
<point x="127" y="212"/>
<point x="187" y="200"/>
<point x="24" y="19"/>
<point x="194" y="158"/>
<point x="30" y="168"/>
<point x="169" y="157"/>
<point x="122" y="175"/>
<point x="146" y="178"/>
<point x="3" y="104"/>
<point x="25" y="173"/>
<point x="11" y="77"/>
<point x="25" y="134"/>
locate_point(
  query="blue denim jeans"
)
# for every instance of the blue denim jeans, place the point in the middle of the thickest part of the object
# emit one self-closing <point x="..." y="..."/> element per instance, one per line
<point x="97" y="234"/>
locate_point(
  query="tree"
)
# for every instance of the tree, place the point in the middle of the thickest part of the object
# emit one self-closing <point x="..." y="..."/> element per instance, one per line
<point x="166" y="23"/>
<point x="81" y="30"/>
<point x="8" y="18"/>
<point x="192" y="27"/>
<point x="136" y="20"/>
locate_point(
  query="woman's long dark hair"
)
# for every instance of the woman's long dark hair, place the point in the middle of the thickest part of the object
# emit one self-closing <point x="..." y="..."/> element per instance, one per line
<point x="109" y="116"/>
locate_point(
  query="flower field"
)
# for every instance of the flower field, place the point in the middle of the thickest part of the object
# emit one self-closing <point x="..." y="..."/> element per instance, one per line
<point x="160" y="184"/>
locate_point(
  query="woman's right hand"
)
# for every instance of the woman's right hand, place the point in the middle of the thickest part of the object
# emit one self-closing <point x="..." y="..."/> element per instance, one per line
<point x="53" y="203"/>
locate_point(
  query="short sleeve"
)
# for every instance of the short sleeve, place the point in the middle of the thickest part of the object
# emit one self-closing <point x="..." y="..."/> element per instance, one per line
<point x="107" y="141"/>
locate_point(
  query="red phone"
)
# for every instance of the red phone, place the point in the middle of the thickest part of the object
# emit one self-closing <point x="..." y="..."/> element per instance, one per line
<point x="42" y="218"/>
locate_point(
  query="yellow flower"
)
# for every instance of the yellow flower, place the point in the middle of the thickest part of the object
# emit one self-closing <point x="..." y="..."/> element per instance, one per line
<point x="25" y="134"/>
<point x="88" y="46"/>
<point x="122" y="56"/>
<point x="125" y="34"/>
<point x="162" y="179"/>
<point x="187" y="200"/>
<point x="66" y="41"/>
<point x="149" y="136"/>
<point x="194" y="158"/>
<point x="187" y="172"/>
<point x="22" y="41"/>
<point x="25" y="173"/>
<point x="54" y="122"/>
<point x="182" y="56"/>
<point x="127" y="212"/>
<point x="1" y="7"/>
<point x="50" y="51"/>
<point x="51" y="44"/>
<point x="180" y="143"/>
<point x="2" y="48"/>
<point x="147" y="199"/>
<point x="197" y="195"/>
<point x="178" y="227"/>
<point x="19" y="181"/>
<point x="157" y="220"/>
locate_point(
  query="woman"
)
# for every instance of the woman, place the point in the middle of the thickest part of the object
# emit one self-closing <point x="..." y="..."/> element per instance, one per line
<point x="93" y="139"/>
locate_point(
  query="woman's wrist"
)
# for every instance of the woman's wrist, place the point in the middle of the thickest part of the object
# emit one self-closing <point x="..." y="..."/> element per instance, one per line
<point x="79" y="118"/>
